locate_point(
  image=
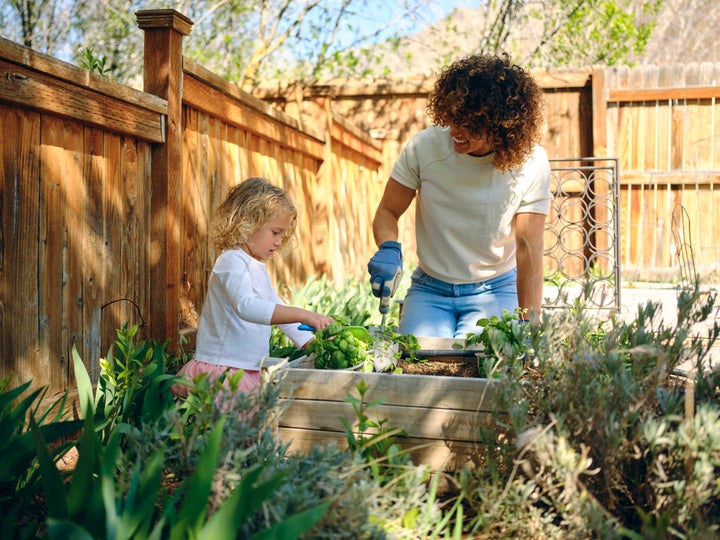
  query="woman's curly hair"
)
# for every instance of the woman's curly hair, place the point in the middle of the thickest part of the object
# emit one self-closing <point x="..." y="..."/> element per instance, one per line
<point x="247" y="206"/>
<point x="492" y="98"/>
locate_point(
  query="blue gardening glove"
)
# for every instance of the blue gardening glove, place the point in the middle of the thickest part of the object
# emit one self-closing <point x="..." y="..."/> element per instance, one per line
<point x="383" y="267"/>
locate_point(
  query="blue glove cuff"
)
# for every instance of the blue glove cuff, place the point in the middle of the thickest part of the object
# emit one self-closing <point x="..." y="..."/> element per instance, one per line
<point x="391" y="244"/>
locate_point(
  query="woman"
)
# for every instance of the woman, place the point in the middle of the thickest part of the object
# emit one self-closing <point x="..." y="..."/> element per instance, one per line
<point x="482" y="184"/>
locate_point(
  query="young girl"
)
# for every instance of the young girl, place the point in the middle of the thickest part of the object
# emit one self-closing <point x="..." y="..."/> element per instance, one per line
<point x="256" y="220"/>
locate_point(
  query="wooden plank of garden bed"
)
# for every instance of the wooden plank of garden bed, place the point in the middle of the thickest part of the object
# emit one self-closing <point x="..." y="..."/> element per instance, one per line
<point x="441" y="415"/>
<point x="462" y="393"/>
<point x="440" y="344"/>
<point x="422" y="422"/>
<point x="437" y="455"/>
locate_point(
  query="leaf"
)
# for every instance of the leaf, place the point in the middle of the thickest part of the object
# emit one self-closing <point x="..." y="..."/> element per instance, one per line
<point x="84" y="498"/>
<point x="85" y="388"/>
<point x="140" y="500"/>
<point x="50" y="478"/>
<point x="294" y="526"/>
<point x="66" y="530"/>
<point x="247" y="497"/>
<point x="198" y="487"/>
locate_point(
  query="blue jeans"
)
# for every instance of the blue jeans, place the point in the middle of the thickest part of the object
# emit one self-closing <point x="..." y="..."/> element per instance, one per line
<point x="435" y="308"/>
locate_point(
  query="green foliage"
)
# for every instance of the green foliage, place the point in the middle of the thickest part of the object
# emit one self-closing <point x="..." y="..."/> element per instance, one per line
<point x="262" y="43"/>
<point x="324" y="474"/>
<point x="503" y="337"/>
<point x="407" y="344"/>
<point x="352" y="304"/>
<point x="504" y="342"/>
<point x="19" y="478"/>
<point x="340" y="347"/>
<point x="113" y="495"/>
<point x="92" y="506"/>
<point x="374" y="442"/>
<point x="609" y="430"/>
<point x="593" y="442"/>
<point x="97" y="64"/>
<point x="414" y="501"/>
<point x="596" y="31"/>
<point x="133" y="384"/>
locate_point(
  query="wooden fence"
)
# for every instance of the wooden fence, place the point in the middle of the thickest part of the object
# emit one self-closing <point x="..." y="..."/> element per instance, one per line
<point x="75" y="156"/>
<point x="662" y="124"/>
<point x="107" y="192"/>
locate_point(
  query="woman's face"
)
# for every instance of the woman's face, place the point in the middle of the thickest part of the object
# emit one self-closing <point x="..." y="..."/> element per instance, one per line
<point x="466" y="143"/>
<point x="268" y="237"/>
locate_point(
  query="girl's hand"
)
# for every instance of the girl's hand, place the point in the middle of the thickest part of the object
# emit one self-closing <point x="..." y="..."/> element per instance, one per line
<point x="317" y="321"/>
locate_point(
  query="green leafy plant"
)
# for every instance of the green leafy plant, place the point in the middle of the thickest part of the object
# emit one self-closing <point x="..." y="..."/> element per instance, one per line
<point x="133" y="385"/>
<point x="19" y="477"/>
<point x="352" y="303"/>
<point x="112" y="497"/>
<point x="414" y="499"/>
<point x="408" y="344"/>
<point x="595" y="443"/>
<point x="372" y="439"/>
<point x="92" y="507"/>
<point x="340" y="346"/>
<point x="97" y="64"/>
<point x="502" y="339"/>
<point x="501" y="335"/>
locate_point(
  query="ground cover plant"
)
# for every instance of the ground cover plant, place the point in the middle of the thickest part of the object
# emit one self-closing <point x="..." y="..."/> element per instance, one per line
<point x="605" y="441"/>
<point x="616" y="434"/>
<point x="207" y="467"/>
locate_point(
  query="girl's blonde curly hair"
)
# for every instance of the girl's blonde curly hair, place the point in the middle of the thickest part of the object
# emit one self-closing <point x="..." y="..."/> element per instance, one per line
<point x="247" y="206"/>
<point x="492" y="98"/>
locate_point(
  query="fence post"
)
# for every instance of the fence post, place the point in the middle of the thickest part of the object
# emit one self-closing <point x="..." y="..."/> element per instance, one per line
<point x="163" y="77"/>
<point x="600" y="190"/>
<point x="599" y="112"/>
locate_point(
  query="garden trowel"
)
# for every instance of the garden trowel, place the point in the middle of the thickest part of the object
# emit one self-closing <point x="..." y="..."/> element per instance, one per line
<point x="391" y="287"/>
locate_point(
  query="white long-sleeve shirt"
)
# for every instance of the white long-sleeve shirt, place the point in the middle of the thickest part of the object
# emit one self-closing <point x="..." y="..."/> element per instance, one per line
<point x="234" y="328"/>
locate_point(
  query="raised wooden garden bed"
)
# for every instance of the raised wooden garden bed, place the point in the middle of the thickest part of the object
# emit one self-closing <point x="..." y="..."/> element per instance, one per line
<point x="441" y="415"/>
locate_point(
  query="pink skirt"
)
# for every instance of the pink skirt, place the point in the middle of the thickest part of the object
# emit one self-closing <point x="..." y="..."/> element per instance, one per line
<point x="249" y="382"/>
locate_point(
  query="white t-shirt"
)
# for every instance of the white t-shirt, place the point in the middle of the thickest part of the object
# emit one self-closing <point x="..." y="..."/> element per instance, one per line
<point x="234" y="327"/>
<point x="465" y="208"/>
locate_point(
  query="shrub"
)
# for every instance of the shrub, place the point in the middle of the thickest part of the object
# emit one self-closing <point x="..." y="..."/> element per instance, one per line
<point x="595" y="444"/>
<point x="19" y="476"/>
<point x="604" y="434"/>
<point x="133" y="385"/>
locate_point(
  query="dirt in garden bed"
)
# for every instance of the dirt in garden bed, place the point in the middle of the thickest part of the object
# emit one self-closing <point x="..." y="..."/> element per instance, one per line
<point x="462" y="368"/>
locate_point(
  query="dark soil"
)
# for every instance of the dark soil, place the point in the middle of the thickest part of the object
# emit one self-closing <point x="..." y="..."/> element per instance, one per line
<point x="449" y="368"/>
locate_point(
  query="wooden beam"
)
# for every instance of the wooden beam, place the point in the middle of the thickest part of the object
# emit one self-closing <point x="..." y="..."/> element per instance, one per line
<point x="703" y="179"/>
<point x="20" y="85"/>
<point x="344" y="134"/>
<point x="416" y="85"/>
<point x="76" y="76"/>
<point x="203" y="97"/>
<point x="662" y="94"/>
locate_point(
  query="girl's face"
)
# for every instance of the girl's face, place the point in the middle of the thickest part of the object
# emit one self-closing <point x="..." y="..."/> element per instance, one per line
<point x="465" y="143"/>
<point x="267" y="238"/>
